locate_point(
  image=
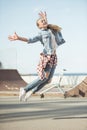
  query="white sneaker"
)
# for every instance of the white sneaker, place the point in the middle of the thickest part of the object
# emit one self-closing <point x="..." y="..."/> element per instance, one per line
<point x="28" y="94"/>
<point x="21" y="94"/>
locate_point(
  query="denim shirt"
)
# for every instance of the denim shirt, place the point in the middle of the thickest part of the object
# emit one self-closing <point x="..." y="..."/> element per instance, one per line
<point x="44" y="36"/>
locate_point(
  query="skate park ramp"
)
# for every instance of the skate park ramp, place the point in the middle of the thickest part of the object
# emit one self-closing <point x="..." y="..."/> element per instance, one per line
<point x="10" y="80"/>
<point x="79" y="91"/>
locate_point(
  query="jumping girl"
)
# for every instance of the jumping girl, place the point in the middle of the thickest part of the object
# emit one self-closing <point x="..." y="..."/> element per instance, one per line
<point x="50" y="37"/>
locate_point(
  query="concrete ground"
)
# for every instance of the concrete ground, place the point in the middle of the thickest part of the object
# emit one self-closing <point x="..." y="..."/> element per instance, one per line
<point x="43" y="114"/>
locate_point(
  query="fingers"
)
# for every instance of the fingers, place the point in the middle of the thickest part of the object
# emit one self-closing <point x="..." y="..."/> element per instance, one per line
<point x="10" y="38"/>
<point x="15" y="33"/>
<point x="42" y="14"/>
<point x="45" y="13"/>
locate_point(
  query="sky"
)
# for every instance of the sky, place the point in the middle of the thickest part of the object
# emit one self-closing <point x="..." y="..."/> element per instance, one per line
<point x="20" y="16"/>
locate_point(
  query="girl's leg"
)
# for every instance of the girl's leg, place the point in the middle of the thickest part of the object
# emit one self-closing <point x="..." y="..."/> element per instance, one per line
<point x="31" y="89"/>
<point x="40" y="83"/>
<point x="37" y="88"/>
<point x="37" y="84"/>
<point x="31" y="86"/>
<point x="48" y="75"/>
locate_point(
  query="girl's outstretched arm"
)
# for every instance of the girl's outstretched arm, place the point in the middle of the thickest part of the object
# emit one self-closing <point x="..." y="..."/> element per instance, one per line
<point x="16" y="37"/>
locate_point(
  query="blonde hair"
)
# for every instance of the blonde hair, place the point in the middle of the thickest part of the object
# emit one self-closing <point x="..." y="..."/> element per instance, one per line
<point x="54" y="27"/>
<point x="37" y="22"/>
<point x="51" y="26"/>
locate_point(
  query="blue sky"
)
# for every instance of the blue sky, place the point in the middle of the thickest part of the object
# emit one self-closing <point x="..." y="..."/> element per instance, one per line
<point x="21" y="16"/>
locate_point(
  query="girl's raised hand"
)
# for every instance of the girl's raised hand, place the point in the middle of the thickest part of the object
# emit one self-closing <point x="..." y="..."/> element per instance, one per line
<point x="43" y="15"/>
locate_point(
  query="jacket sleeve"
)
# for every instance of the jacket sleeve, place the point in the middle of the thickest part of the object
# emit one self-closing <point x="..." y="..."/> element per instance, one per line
<point x="35" y="39"/>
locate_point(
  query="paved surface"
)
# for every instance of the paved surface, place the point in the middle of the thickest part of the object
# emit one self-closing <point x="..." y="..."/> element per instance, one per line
<point x="43" y="114"/>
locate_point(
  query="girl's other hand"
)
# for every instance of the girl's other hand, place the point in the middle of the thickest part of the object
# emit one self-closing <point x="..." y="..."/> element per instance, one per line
<point x="14" y="37"/>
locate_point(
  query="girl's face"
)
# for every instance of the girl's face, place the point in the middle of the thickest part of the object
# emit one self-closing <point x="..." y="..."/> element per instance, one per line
<point x="42" y="23"/>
